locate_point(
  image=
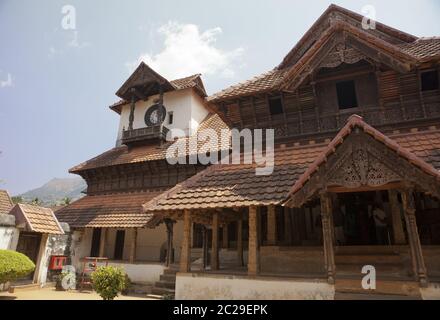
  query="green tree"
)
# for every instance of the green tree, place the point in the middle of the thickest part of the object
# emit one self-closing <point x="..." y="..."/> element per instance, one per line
<point x="17" y="199"/>
<point x="36" y="202"/>
<point x="66" y="201"/>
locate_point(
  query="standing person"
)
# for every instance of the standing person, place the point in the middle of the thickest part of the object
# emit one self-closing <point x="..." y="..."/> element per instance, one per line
<point x="338" y="220"/>
<point x="380" y="221"/>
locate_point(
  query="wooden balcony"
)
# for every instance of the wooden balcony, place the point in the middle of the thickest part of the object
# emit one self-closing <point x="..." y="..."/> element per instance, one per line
<point x="154" y="133"/>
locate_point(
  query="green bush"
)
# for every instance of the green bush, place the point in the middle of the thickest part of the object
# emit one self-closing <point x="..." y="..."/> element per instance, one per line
<point x="108" y="282"/>
<point x="14" y="265"/>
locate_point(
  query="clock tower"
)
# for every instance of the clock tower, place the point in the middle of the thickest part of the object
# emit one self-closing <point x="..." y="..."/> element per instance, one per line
<point x="152" y="106"/>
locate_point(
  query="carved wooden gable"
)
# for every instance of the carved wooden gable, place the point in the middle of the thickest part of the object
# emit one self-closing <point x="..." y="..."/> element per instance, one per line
<point x="361" y="165"/>
<point x="363" y="162"/>
<point x="340" y="54"/>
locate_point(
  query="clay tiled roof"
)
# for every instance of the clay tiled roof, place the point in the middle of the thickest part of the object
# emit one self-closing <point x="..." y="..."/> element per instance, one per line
<point x="265" y="82"/>
<point x="6" y="203"/>
<point x="227" y="186"/>
<point x="37" y="219"/>
<point x="423" y="48"/>
<point x="405" y="47"/>
<point x="122" y="210"/>
<point x="124" y="155"/>
<point x="194" y="81"/>
<point x="419" y="145"/>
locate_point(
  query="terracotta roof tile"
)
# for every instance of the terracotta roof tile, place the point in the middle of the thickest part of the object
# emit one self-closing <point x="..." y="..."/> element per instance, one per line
<point x="230" y="186"/>
<point x="423" y="48"/>
<point x="124" y="155"/>
<point x="263" y="83"/>
<point x="193" y="81"/>
<point x="6" y="203"/>
<point x="121" y="210"/>
<point x="37" y="219"/>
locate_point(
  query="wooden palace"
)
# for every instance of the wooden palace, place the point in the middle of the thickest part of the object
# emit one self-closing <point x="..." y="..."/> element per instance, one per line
<point x="356" y="180"/>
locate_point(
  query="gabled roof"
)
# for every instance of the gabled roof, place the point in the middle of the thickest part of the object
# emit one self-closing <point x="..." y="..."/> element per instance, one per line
<point x="143" y="153"/>
<point x="36" y="219"/>
<point x="119" y="210"/>
<point x="357" y="121"/>
<point x="392" y="46"/>
<point x="193" y="81"/>
<point x="6" y="203"/>
<point x="384" y="52"/>
<point x="332" y="13"/>
<point x="237" y="185"/>
<point x="143" y="76"/>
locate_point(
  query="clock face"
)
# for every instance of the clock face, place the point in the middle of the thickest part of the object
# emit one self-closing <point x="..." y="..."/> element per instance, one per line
<point x="155" y="115"/>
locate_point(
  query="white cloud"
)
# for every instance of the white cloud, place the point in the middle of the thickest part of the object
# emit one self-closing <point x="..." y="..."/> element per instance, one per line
<point x="6" y="83"/>
<point x="188" y="51"/>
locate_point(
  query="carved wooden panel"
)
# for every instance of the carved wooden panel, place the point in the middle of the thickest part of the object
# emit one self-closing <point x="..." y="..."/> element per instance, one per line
<point x="340" y="54"/>
<point x="361" y="168"/>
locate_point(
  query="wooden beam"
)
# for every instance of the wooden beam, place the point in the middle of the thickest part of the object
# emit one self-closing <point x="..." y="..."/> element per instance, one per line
<point x="133" y="245"/>
<point x="240" y="243"/>
<point x="102" y="242"/>
<point x="271" y="226"/>
<point x="254" y="254"/>
<point x="329" y="255"/>
<point x="417" y="258"/>
<point x="398" y="232"/>
<point x="185" y="256"/>
<point x="215" y="238"/>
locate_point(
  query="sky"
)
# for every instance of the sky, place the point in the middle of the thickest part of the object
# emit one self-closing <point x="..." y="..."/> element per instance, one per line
<point x="58" y="75"/>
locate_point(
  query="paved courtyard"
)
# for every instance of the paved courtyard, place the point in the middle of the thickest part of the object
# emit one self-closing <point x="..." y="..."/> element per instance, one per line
<point x="52" y="294"/>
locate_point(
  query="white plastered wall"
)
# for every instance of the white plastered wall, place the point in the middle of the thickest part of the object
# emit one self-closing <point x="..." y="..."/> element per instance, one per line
<point x="188" y="110"/>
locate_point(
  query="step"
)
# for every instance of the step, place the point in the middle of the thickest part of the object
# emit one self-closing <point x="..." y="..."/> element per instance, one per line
<point x="24" y="287"/>
<point x="170" y="271"/>
<point x="382" y="270"/>
<point x="168" y="277"/>
<point x="162" y="291"/>
<point x="354" y="250"/>
<point x="367" y="259"/>
<point x="155" y="296"/>
<point x="140" y="288"/>
<point x="358" y="297"/>
<point x="165" y="284"/>
<point x="390" y="287"/>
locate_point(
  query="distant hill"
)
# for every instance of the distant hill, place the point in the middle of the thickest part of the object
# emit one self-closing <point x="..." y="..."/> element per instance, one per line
<point x="56" y="189"/>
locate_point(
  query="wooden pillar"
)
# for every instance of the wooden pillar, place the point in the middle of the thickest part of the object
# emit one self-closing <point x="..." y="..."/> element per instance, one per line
<point x="329" y="256"/>
<point x="214" y="251"/>
<point x="240" y="242"/>
<point x="132" y="107"/>
<point x="271" y="226"/>
<point x="413" y="236"/>
<point x="170" y="247"/>
<point x="102" y="242"/>
<point x="287" y="227"/>
<point x="205" y="247"/>
<point x="39" y="265"/>
<point x="185" y="255"/>
<point x="133" y="245"/>
<point x="254" y="254"/>
<point x="225" y="239"/>
<point x="398" y="233"/>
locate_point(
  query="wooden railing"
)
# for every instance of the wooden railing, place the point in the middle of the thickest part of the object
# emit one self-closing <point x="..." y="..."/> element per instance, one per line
<point x="158" y="132"/>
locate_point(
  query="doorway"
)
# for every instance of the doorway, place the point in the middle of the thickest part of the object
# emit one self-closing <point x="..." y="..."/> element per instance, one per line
<point x="29" y="245"/>
<point x="361" y="219"/>
<point x="119" y="245"/>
